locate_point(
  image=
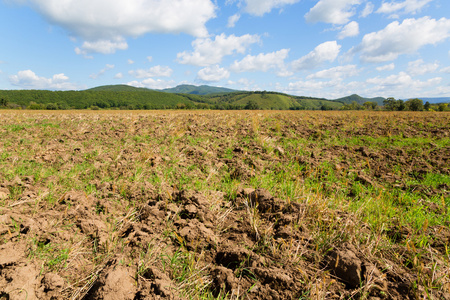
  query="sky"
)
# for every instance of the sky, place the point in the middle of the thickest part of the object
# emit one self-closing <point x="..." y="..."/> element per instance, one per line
<point x="318" y="48"/>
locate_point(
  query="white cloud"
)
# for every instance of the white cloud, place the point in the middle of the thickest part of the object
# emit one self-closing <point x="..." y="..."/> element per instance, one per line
<point x="351" y="29"/>
<point x="261" y="62"/>
<point x="324" y="52"/>
<point x="399" y="84"/>
<point x="102" y="71"/>
<point x="105" y="20"/>
<point x="102" y="46"/>
<point x="27" y="79"/>
<point x="156" y="71"/>
<point x="130" y="61"/>
<point x="388" y="67"/>
<point x="401" y="38"/>
<point x="151" y="83"/>
<point x="336" y="72"/>
<point x="213" y="73"/>
<point x="260" y="7"/>
<point x="118" y="75"/>
<point x="445" y="70"/>
<point x="330" y="89"/>
<point x="243" y="83"/>
<point x="407" y="6"/>
<point x="232" y="20"/>
<point x="418" y="67"/>
<point x="332" y="11"/>
<point x="368" y="9"/>
<point x="208" y="52"/>
<point x="149" y="58"/>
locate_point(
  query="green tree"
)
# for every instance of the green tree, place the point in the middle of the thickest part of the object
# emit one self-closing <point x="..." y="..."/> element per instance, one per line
<point x="427" y="106"/>
<point x="252" y="104"/>
<point x="414" y="104"/>
<point x="4" y="101"/>
<point x="51" y="106"/>
<point x="390" y="103"/>
<point x="442" y="106"/>
<point x="369" y="105"/>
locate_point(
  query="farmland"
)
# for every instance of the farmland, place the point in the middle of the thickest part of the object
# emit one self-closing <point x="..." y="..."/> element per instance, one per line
<point x="228" y="205"/>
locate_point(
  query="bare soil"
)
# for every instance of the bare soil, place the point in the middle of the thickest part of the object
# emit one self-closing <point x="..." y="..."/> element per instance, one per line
<point x="132" y="237"/>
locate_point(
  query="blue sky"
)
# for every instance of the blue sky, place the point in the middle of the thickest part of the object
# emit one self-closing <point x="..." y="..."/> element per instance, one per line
<point x="320" y="48"/>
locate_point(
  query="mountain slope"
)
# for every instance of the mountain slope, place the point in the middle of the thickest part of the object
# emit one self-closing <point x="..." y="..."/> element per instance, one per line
<point x="270" y="100"/>
<point x="360" y="100"/>
<point x="118" y="88"/>
<point x="198" y="90"/>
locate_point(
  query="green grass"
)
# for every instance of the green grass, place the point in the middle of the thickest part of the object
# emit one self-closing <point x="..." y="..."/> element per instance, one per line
<point x="134" y="152"/>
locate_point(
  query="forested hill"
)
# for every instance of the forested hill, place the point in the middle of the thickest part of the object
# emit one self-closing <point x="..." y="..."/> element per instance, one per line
<point x="360" y="100"/>
<point x="118" y="88"/>
<point x="142" y="99"/>
<point x="198" y="90"/>
<point x="180" y="97"/>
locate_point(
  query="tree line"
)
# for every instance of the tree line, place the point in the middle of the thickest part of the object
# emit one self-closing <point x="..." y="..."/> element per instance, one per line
<point x="391" y="104"/>
<point x="131" y="100"/>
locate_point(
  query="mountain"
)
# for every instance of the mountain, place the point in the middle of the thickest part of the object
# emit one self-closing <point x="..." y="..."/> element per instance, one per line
<point x="270" y="100"/>
<point x="197" y="90"/>
<point x="118" y="88"/>
<point x="360" y="100"/>
<point x="436" y="100"/>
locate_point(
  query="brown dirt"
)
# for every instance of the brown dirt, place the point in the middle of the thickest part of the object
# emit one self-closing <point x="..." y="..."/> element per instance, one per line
<point x="236" y="257"/>
<point x="249" y="244"/>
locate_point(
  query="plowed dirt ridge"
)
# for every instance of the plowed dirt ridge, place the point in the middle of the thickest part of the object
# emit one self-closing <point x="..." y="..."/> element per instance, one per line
<point x="228" y="205"/>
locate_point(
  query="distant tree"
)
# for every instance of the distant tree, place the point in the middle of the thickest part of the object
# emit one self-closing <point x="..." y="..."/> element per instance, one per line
<point x="369" y="105"/>
<point x="414" y="104"/>
<point x="400" y="105"/>
<point x="51" y="106"/>
<point x="4" y="101"/>
<point x="34" y="105"/>
<point x="390" y="103"/>
<point x="442" y="106"/>
<point x="427" y="106"/>
<point x="252" y="104"/>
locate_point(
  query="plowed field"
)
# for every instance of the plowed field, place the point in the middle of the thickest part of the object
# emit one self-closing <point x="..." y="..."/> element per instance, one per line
<point x="228" y="205"/>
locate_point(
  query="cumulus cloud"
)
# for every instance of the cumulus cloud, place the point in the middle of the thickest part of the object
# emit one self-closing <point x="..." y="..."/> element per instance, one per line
<point x="103" y="20"/>
<point x="388" y="67"/>
<point x="351" y="29"/>
<point x="418" y="67"/>
<point x="118" y="75"/>
<point x="406" y="7"/>
<point x="332" y="11"/>
<point x="208" y="52"/>
<point x="151" y="83"/>
<point x="102" y="71"/>
<point x="397" y="84"/>
<point x="368" y="9"/>
<point x="445" y="70"/>
<point x="401" y="38"/>
<point x="130" y="61"/>
<point x="27" y="79"/>
<point x="261" y="62"/>
<point x="233" y="20"/>
<point x="336" y="72"/>
<point x="261" y="7"/>
<point x="324" y="52"/>
<point x="330" y="89"/>
<point x="156" y="71"/>
<point x="102" y="46"/>
<point x="213" y="73"/>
